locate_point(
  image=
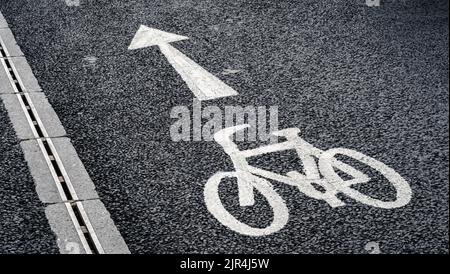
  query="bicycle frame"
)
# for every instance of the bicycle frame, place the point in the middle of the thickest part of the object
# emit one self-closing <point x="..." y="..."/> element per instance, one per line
<point x="304" y="182"/>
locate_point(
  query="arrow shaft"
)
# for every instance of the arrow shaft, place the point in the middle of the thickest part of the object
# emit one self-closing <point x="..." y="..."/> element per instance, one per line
<point x="203" y="84"/>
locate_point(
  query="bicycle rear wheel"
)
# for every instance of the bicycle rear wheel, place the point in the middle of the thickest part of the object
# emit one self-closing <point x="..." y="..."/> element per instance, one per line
<point x="327" y="163"/>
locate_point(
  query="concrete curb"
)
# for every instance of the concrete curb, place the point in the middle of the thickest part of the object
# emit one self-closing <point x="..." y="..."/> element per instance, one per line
<point x="3" y="23"/>
<point x="10" y="46"/>
<point x="42" y="108"/>
<point x="76" y="215"/>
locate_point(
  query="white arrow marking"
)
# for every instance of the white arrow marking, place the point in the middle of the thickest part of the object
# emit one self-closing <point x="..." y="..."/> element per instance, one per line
<point x="203" y="84"/>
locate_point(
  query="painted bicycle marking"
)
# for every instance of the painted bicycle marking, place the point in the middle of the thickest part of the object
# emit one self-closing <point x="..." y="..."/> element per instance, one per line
<point x="250" y="178"/>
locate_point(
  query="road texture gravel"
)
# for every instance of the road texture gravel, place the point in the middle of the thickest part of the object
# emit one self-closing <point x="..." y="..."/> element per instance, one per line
<point x="372" y="79"/>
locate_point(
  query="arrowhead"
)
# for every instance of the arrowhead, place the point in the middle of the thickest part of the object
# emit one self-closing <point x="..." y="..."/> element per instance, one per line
<point x="147" y="37"/>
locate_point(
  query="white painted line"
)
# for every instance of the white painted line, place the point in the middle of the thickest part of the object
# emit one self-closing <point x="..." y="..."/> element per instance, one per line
<point x="203" y="84"/>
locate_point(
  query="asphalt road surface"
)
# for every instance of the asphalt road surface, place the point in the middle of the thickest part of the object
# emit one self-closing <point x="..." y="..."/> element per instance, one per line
<point x="371" y="79"/>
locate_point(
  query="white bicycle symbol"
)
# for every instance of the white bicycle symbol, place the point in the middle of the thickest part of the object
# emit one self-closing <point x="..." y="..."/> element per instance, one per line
<point x="250" y="178"/>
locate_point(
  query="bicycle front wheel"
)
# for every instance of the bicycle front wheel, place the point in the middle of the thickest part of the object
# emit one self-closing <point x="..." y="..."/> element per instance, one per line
<point x="216" y="208"/>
